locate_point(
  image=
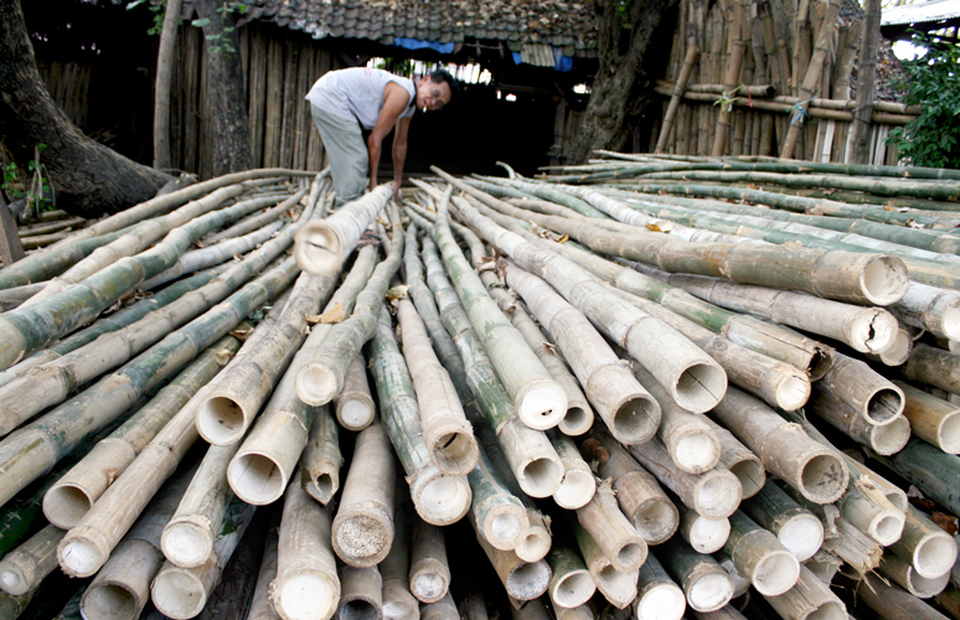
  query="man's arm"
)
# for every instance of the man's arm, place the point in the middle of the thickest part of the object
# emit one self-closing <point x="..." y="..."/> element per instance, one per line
<point x="400" y="152"/>
<point x="395" y="100"/>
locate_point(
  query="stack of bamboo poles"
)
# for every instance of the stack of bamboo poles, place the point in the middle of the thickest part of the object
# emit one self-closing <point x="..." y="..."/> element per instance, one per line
<point x="580" y="396"/>
<point x="767" y="78"/>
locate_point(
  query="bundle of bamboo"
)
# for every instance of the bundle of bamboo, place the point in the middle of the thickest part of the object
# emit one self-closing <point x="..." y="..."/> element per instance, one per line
<point x="624" y="427"/>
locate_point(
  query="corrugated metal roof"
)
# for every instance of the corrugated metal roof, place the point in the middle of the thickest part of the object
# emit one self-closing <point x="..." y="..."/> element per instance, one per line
<point x="519" y="24"/>
<point x="921" y="13"/>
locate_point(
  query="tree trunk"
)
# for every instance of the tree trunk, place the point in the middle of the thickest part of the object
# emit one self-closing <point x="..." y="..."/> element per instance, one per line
<point x="88" y="179"/>
<point x="626" y="29"/>
<point x="161" y="106"/>
<point x="230" y="132"/>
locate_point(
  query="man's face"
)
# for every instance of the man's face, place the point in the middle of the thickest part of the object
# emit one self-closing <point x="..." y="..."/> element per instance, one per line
<point x="432" y="95"/>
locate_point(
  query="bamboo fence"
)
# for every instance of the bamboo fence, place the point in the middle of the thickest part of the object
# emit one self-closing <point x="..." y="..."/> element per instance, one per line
<point x="763" y="444"/>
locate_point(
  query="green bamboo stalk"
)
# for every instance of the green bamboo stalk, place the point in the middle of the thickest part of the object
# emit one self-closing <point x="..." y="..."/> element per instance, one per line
<point x="509" y="187"/>
<point x="571" y="584"/>
<point x="759" y="555"/>
<point x="321" y="378"/>
<point x="40" y="267"/>
<point x="439" y="499"/>
<point x="75" y="492"/>
<point x="33" y="449"/>
<point x="933" y="471"/>
<point x="797" y="528"/>
<point x="538" y="399"/>
<point x="53" y="382"/>
<point x="195" y="219"/>
<point x="534" y="462"/>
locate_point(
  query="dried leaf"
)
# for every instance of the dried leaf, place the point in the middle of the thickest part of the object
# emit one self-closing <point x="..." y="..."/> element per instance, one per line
<point x="753" y="186"/>
<point x="334" y="315"/>
<point x="112" y="474"/>
<point x="946" y="522"/>
<point x="397" y="292"/>
<point x="563" y="239"/>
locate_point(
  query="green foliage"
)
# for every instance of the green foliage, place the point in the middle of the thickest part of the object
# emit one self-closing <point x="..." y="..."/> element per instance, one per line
<point x="30" y="184"/>
<point x="932" y="81"/>
<point x="218" y="43"/>
<point x="397" y="66"/>
<point x="158" y="11"/>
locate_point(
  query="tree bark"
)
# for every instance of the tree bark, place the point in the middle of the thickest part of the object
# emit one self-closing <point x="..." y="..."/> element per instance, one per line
<point x="626" y="29"/>
<point x="228" y="108"/>
<point x="88" y="179"/>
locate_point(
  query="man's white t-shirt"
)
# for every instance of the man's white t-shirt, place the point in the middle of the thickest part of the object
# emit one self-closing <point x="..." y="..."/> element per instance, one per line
<point x="358" y="93"/>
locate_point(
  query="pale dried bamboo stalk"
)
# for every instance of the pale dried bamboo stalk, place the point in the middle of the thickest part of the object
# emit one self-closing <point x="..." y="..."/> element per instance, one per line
<point x="702" y="534"/>
<point x="439" y="499"/>
<point x="935" y="309"/>
<point x="798" y="529"/>
<point x="362" y="530"/>
<point x="533" y="460"/>
<point x="182" y="593"/>
<point x="361" y="592"/>
<point x="813" y="469"/>
<point x="619" y="588"/>
<point x="906" y="576"/>
<point x="446" y="431"/>
<point x="715" y="493"/>
<point x="771" y="568"/>
<point x="639" y="495"/>
<point x="536" y="544"/>
<point x="398" y="601"/>
<point x="523" y="581"/>
<point x="578" y="484"/>
<point x="613" y="533"/>
<point x="691" y="442"/>
<point x="740" y="460"/>
<point x="625" y="406"/>
<point x="72" y="495"/>
<point x="853" y="382"/>
<point x="890" y="601"/>
<point x="322" y="246"/>
<point x="121" y="588"/>
<point x="571" y="584"/>
<point x="444" y="609"/>
<point x="260" y="606"/>
<point x="23" y="568"/>
<point x="189" y="537"/>
<point x="320" y="459"/>
<point x="930" y="550"/>
<point x="885" y="439"/>
<point x="498" y="516"/>
<point x="933" y="366"/>
<point x="706" y="585"/>
<point x="320" y="379"/>
<point x="306" y="586"/>
<point x="355" y="408"/>
<point x="659" y="597"/>
<point x="429" y="574"/>
<point x="809" y="598"/>
<point x="932" y="419"/>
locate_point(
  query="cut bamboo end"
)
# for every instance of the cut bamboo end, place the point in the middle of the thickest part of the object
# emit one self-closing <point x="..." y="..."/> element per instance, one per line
<point x="802" y="535"/>
<point x="536" y="544"/>
<point x="891" y="438"/>
<point x="709" y="591"/>
<point x="576" y="421"/>
<point x="222" y="421"/>
<point x="82" y="552"/>
<point x="907" y="577"/>
<point x="880" y="521"/>
<point x="440" y="499"/>
<point x="362" y="594"/>
<point x="704" y="535"/>
<point x="810" y="599"/>
<point x="258" y="479"/>
<point x="572" y="589"/>
<point x="884" y="280"/>
<point x="693" y="449"/>
<point x="398" y="603"/>
<point x="541" y="404"/>
<point x="504" y="524"/>
<point x="872" y="332"/>
<point x="317" y="248"/>
<point x="452" y="445"/>
<point x="792" y="391"/>
<point x="662" y="601"/>
<point x="178" y="593"/>
<point x="310" y="595"/>
<point x="635" y="419"/>
<point x="884" y="406"/>
<point x="110" y="601"/>
<point x="122" y="589"/>
<point x="576" y="489"/>
<point x="933" y="419"/>
<point x="657" y="518"/>
<point x="23" y="568"/>
<point x="898" y="351"/>
<point x="316" y="384"/>
<point x="751" y="473"/>
<point x="430" y="581"/>
<point x="363" y="539"/>
<point x="186" y="543"/>
<point x="775" y="573"/>
<point x="64" y="505"/>
<point x="934" y="555"/>
<point x="355" y="414"/>
<point x="699" y="387"/>
<point x="717" y="494"/>
<point x="533" y="460"/>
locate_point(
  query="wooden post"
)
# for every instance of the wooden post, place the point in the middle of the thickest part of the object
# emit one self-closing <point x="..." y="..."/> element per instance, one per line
<point x="10" y="249"/>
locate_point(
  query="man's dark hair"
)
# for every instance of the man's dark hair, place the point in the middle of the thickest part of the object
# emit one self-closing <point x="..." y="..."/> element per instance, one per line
<point x="440" y="75"/>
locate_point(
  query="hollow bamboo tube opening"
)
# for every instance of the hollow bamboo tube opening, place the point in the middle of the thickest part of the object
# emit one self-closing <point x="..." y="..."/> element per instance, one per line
<point x="884" y="280"/>
<point x="656" y="519"/>
<point x="661" y="602"/>
<point x="317" y="248"/>
<point x="717" y="494"/>
<point x="908" y="578"/>
<point x="884" y="406"/>
<point x="221" y="420"/>
<point x="355" y="415"/>
<point x="528" y="580"/>
<point x="700" y="387"/>
<point x="256" y="478"/>
<point x="316" y="384"/>
<point x="361" y="593"/>
<point x="776" y="573"/>
<point x="438" y="498"/>
<point x="889" y="438"/>
<point x="536" y="544"/>
<point x="704" y="535"/>
<point x="576" y="421"/>
<point x="572" y="589"/>
<point x="819" y="480"/>
<point x="792" y="392"/>
<point x="934" y="556"/>
<point x="308" y="596"/>
<point x="802" y="535"/>
<point x="619" y="588"/>
<point x="64" y="505"/>
<point x="82" y="558"/>
<point x="453" y="448"/>
<point x="192" y="543"/>
<point x="695" y="449"/>
<point x="710" y="592"/>
<point x="751" y="474"/>
<point x="110" y="601"/>
<point x="541" y="406"/>
<point x="180" y="593"/>
<point x="636" y="419"/>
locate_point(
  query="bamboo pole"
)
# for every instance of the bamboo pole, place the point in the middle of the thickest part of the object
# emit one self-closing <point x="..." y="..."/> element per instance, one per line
<point x="740" y="460"/>
<point x="886" y="439"/>
<point x="321" y="378"/>
<point x="694" y="379"/>
<point x="182" y="593"/>
<point x="398" y="600"/>
<point x="354" y="404"/>
<point x="934" y="472"/>
<point x="322" y="246"/>
<point x="498" y="516"/>
<point x="934" y="366"/>
<point x="787" y="452"/>
<point x="637" y="491"/>
<point x="904" y="574"/>
<point x="260" y="606"/>
<point x="446" y="431"/>
<point x="619" y="588"/>
<point x="771" y="568"/>
<point x="579" y="484"/>
<point x="891" y="601"/>
<point x="934" y="309"/>
<point x="809" y="598"/>
<point x="189" y="537"/>
<point x="736" y="47"/>
<point x="714" y="493"/>
<point x="930" y="550"/>
<point x="534" y="462"/>
<point x="361" y="592"/>
<point x="362" y="529"/>
<point x="679" y="87"/>
<point x="429" y="574"/>
<point x="616" y="537"/>
<point x="444" y="609"/>
<point x="659" y="597"/>
<point x="571" y="584"/>
<point x="798" y="529"/>
<point x="23" y="568"/>
<point x="306" y="586"/>
<point x="702" y="534"/>
<point x="320" y="459"/>
<point x="439" y="499"/>
<point x="933" y="419"/>
<point x="625" y="406"/>
<point x="706" y="585"/>
<point x="853" y="382"/>
<point x="523" y="581"/>
<point x="72" y="495"/>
